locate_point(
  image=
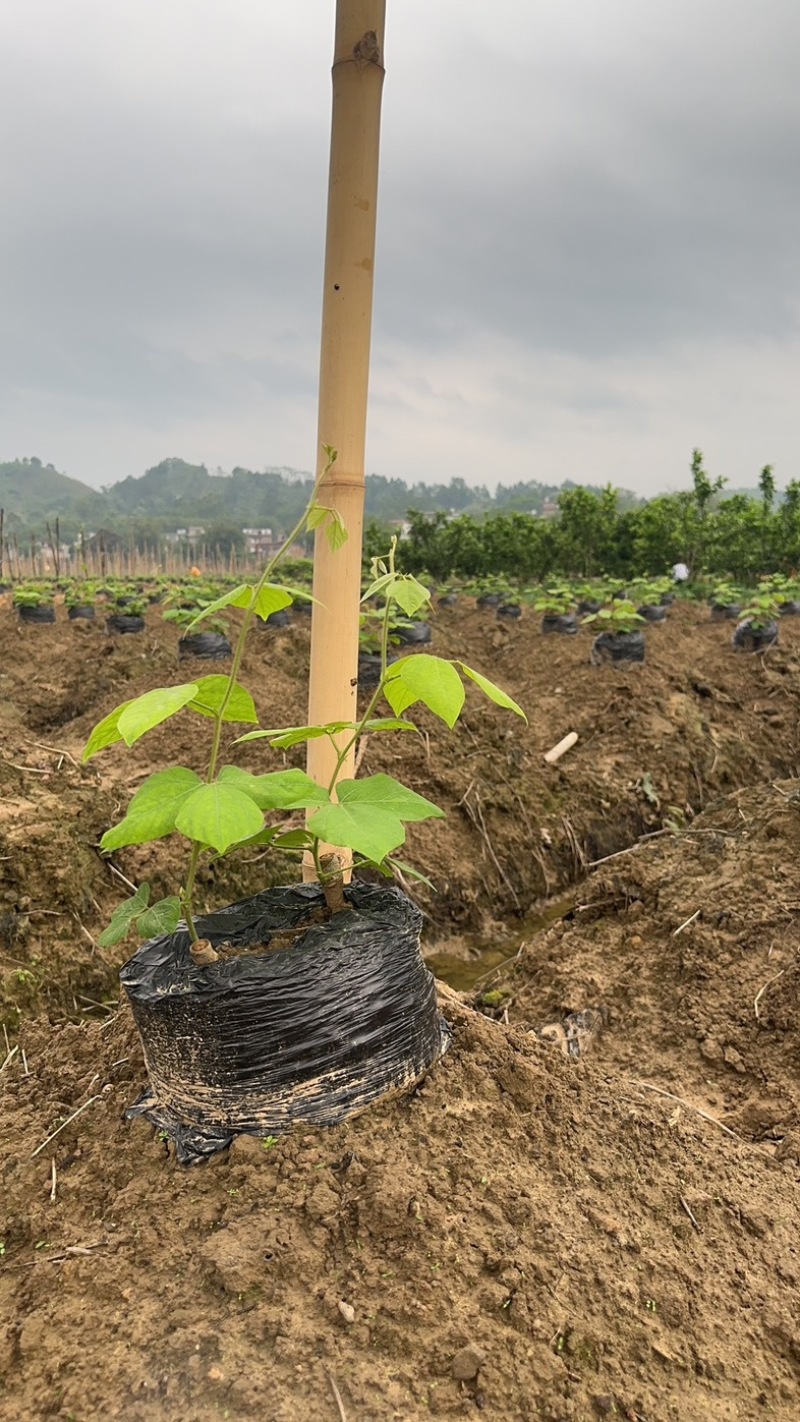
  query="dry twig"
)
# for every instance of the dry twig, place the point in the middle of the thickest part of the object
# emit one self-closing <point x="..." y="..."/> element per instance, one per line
<point x="659" y="1091"/>
<point x="762" y="990"/>
<point x="69" y="1119"/>
<point x="338" y="1396"/>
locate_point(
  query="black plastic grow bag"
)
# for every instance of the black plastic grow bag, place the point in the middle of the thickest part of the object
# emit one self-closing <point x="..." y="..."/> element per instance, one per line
<point x="725" y="611"/>
<point x="123" y="623"/>
<point x="511" y="610"/>
<point x="565" y="624"/>
<point x="41" y="613"/>
<point x="369" y="667"/>
<point x="411" y="634"/>
<point x="281" y="618"/>
<point x="489" y="600"/>
<point x="209" y="646"/>
<point x="308" y="1033"/>
<point x="81" y="611"/>
<point x="747" y="638"/>
<point x="652" y="611"/>
<point x="618" y="647"/>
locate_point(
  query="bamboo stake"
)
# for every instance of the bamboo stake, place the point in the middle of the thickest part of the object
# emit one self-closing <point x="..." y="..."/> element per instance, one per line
<point x="344" y="368"/>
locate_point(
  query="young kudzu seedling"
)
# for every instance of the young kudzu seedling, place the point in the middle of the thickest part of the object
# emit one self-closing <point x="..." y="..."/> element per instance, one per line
<point x="225" y="810"/>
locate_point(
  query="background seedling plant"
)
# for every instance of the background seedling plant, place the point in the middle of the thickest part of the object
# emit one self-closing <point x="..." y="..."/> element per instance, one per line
<point x="225" y="809"/>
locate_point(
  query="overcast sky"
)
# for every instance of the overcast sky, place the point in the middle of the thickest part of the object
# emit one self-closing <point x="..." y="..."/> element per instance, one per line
<point x="588" y="237"/>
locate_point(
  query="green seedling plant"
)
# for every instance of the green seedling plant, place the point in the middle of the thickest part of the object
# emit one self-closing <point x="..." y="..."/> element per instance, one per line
<point x="555" y="601"/>
<point x="27" y="596"/>
<point x="724" y="594"/>
<point x="762" y="608"/>
<point x="619" y="616"/>
<point x="228" y="808"/>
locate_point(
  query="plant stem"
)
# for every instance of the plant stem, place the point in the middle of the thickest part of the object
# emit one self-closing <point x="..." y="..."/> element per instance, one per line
<point x="238" y="654"/>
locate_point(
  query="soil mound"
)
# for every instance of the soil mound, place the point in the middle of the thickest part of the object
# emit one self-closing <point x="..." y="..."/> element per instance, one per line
<point x="524" y="1236"/>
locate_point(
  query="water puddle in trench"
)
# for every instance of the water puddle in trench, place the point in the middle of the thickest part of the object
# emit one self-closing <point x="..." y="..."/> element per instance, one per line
<point x="463" y="962"/>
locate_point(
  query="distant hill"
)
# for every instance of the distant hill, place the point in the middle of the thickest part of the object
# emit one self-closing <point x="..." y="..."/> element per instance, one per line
<point x="175" y="494"/>
<point x="31" y="493"/>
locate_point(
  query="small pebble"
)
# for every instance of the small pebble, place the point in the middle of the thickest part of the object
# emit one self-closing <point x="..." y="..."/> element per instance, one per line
<point x="347" y="1311"/>
<point x="467" y="1363"/>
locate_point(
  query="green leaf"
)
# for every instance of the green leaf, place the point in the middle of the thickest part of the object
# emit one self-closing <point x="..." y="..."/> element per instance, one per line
<point x="153" y="809"/>
<point x="409" y="594"/>
<point x="378" y="586"/>
<point x="124" y="917"/>
<point x="272" y="598"/>
<point x="162" y="917"/>
<point x="106" y="732"/>
<point x="369" y="816"/>
<point x="374" y="833"/>
<point x="210" y="693"/>
<point x="296" y="735"/>
<point x="293" y="839"/>
<point x="280" y="790"/>
<point x="147" y="711"/>
<point x="219" y="816"/>
<point x="431" y="680"/>
<point x="320" y="516"/>
<point x="500" y="698"/>
<point x="235" y="597"/>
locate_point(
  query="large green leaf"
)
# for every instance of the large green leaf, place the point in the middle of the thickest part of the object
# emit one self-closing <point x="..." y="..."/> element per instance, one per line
<point x="383" y="792"/>
<point x="373" y="832"/>
<point x="162" y="917"/>
<point x="431" y="680"/>
<point x="210" y="693"/>
<point x="280" y="790"/>
<point x="124" y="917"/>
<point x="369" y="816"/>
<point x="106" y="732"/>
<point x="494" y="693"/>
<point x="153" y="809"/>
<point x="149" y="710"/>
<point x="218" y="815"/>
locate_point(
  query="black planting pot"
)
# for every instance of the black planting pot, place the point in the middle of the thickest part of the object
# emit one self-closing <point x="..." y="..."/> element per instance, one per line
<point x="618" y="647"/>
<point x="124" y="623"/>
<point x="652" y="612"/>
<point x="588" y="605"/>
<point x="747" y="638"/>
<point x="489" y="600"/>
<point x="369" y="667"/>
<point x="281" y="618"/>
<point x="208" y="646"/>
<point x="789" y="609"/>
<point x="308" y="1033"/>
<point x="565" y="624"/>
<point x="303" y="605"/>
<point x="667" y="599"/>
<point x="447" y="600"/>
<point x="411" y="634"/>
<point x="37" y="614"/>
<point x="725" y="611"/>
<point x="511" y="610"/>
<point x="81" y="611"/>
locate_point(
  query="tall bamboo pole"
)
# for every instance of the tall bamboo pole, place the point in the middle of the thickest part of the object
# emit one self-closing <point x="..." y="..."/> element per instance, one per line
<point x="344" y="366"/>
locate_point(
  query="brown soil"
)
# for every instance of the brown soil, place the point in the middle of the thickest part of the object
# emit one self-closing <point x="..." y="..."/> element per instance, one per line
<point x="610" y="1234"/>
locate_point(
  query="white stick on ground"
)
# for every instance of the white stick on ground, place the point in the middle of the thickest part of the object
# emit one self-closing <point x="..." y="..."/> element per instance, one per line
<point x="566" y="743"/>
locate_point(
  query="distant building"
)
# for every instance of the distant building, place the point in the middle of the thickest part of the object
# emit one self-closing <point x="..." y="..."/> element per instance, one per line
<point x="549" y="508"/>
<point x="260" y="542"/>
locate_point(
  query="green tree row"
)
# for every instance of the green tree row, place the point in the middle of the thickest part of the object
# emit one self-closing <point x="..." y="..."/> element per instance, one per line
<point x="739" y="537"/>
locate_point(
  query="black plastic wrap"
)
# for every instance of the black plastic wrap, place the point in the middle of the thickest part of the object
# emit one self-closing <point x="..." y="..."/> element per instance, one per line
<point x="652" y="611"/>
<point x="208" y="646"/>
<point x="411" y="634"/>
<point x="123" y="623"/>
<point x="747" y="638"/>
<point x="36" y="614"/>
<point x="562" y="624"/>
<point x="618" y="647"/>
<point x="511" y="610"/>
<point x="725" y="611"/>
<point x="81" y="611"/>
<point x="308" y="1033"/>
